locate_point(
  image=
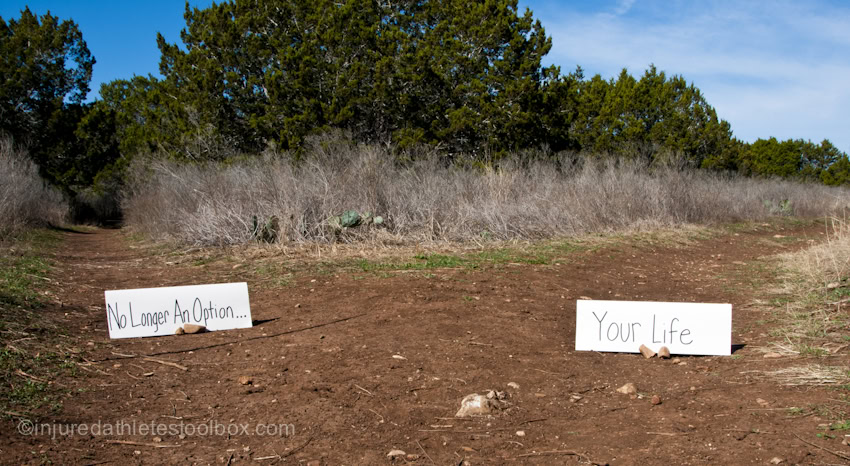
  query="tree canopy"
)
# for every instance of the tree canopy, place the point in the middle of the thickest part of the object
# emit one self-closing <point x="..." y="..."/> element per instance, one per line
<point x="465" y="77"/>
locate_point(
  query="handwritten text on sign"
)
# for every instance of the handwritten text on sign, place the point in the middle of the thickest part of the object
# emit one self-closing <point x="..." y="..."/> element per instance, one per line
<point x="160" y="311"/>
<point x="684" y="328"/>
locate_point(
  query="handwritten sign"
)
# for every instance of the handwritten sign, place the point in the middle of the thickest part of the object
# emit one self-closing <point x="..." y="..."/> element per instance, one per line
<point x="684" y="328"/>
<point x="148" y="312"/>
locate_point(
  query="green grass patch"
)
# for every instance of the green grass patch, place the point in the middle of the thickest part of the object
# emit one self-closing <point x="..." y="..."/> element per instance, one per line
<point x="23" y="268"/>
<point x="28" y="358"/>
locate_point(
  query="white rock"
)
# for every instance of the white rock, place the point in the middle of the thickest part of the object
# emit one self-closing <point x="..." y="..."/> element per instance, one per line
<point x="395" y="454"/>
<point x="474" y="405"/>
<point x="628" y="389"/>
<point x="513" y="385"/>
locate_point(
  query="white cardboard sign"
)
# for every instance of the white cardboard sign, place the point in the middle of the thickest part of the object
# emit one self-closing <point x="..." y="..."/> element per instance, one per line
<point x="148" y="312"/>
<point x="684" y="328"/>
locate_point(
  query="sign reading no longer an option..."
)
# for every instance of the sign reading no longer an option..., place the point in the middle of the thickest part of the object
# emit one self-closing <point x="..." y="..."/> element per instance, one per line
<point x="684" y="328"/>
<point x="148" y="312"/>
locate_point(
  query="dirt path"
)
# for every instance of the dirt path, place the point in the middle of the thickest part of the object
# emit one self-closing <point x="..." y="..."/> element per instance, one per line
<point x="334" y="394"/>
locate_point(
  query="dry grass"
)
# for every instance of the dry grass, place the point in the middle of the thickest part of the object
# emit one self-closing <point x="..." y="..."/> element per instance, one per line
<point x="428" y="200"/>
<point x="25" y="198"/>
<point x="815" y="321"/>
<point x="812" y="374"/>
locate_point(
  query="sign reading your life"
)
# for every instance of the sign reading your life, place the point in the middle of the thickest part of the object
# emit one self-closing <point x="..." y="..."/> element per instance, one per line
<point x="684" y="328"/>
<point x="150" y="312"/>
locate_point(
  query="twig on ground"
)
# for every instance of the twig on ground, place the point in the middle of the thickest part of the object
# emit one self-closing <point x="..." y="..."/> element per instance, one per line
<point x="425" y="452"/>
<point x="167" y="363"/>
<point x="143" y="444"/>
<point x="561" y="452"/>
<point x="363" y="390"/>
<point x="379" y="415"/>
<point x="836" y="453"/>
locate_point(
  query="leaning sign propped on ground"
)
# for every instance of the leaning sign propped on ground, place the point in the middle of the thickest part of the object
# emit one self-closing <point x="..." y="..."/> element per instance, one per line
<point x="684" y="328"/>
<point x="151" y="312"/>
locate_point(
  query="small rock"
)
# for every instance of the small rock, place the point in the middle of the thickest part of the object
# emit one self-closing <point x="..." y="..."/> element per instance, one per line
<point x="398" y="356"/>
<point x="627" y="389"/>
<point x="778" y="236"/>
<point x="474" y="405"/>
<point x="575" y="398"/>
<point x="157" y="439"/>
<point x="411" y="457"/>
<point x="246" y="380"/>
<point x="776" y="460"/>
<point x="664" y="353"/>
<point x="646" y="352"/>
<point x="772" y="355"/>
<point x="762" y="403"/>
<point x="833" y="285"/>
<point x="298" y="305"/>
<point x="192" y="328"/>
<point x="513" y="385"/>
<point x="675" y="360"/>
<point x="396" y="454"/>
<point x="540" y="395"/>
<point x="179" y="331"/>
<point x="520" y="433"/>
<point x="656" y="400"/>
<point x="585" y="297"/>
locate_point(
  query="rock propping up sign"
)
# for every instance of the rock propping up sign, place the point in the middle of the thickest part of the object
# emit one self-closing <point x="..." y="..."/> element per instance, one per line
<point x="684" y="328"/>
<point x="150" y="312"/>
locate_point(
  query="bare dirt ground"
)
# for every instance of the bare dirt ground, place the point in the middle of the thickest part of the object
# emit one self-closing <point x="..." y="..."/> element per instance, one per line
<point x="344" y="399"/>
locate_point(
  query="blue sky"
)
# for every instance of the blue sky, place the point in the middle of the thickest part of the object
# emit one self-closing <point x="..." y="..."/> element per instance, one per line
<point x="771" y="68"/>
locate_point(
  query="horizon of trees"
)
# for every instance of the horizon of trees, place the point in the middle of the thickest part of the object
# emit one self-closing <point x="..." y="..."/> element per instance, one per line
<point x="463" y="77"/>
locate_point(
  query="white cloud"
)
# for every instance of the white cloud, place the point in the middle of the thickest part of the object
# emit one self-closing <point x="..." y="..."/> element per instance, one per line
<point x="623" y="6"/>
<point x="770" y="69"/>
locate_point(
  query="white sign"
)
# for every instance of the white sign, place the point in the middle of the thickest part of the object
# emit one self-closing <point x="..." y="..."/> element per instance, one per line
<point x="148" y="312"/>
<point x="684" y="328"/>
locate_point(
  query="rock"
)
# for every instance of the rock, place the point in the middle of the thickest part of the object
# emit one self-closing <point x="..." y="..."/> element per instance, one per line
<point x="664" y="353"/>
<point x="192" y="328"/>
<point x="520" y="433"/>
<point x="646" y="352"/>
<point x="314" y="463"/>
<point x="627" y="389"/>
<point x="474" y="405"/>
<point x="776" y="460"/>
<point x="396" y="454"/>
<point x="246" y="380"/>
<point x="763" y="403"/>
<point x="400" y="357"/>
<point x="575" y="398"/>
<point x="676" y="360"/>
<point x="513" y="385"/>
<point x="411" y="457"/>
<point x="179" y="331"/>
<point x="833" y="285"/>
<point x="656" y="400"/>
<point x="772" y="355"/>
